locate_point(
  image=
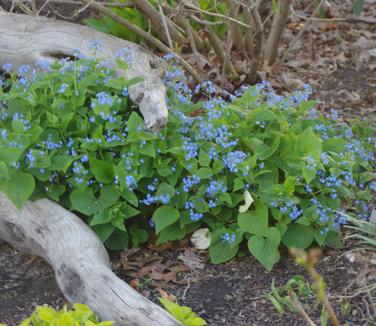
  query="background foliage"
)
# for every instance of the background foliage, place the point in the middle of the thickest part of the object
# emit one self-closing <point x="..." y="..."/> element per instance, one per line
<point x="69" y="132"/>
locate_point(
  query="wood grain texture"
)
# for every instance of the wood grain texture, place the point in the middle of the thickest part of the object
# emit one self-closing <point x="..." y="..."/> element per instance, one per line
<point x="28" y="40"/>
<point x="44" y="228"/>
<point x="79" y="260"/>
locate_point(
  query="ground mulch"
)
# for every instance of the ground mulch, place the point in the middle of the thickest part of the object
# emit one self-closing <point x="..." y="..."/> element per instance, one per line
<point x="226" y="294"/>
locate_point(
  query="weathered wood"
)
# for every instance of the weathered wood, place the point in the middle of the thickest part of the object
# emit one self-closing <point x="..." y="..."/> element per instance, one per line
<point x="28" y="40"/>
<point x="44" y="228"/>
<point x="80" y="261"/>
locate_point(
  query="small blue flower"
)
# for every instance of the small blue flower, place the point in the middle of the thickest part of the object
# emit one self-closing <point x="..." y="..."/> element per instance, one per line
<point x="63" y="88"/>
<point x="7" y="67"/>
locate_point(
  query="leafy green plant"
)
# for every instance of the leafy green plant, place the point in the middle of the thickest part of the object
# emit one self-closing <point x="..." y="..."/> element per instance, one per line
<point x="363" y="232"/>
<point x="357" y="7"/>
<point x="281" y="297"/>
<point x="110" y="26"/>
<point x="69" y="132"/>
<point x="182" y="313"/>
<point x="308" y="260"/>
<point x="80" y="315"/>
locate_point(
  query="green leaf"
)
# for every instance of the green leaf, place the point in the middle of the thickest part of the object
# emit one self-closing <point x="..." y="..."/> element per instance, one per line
<point x="103" y="231"/>
<point x="118" y="240"/>
<point x="218" y="166"/>
<point x="238" y="184"/>
<point x="134" y="122"/>
<point x="18" y="187"/>
<point x="171" y="233"/>
<point x="357" y="7"/>
<point x="308" y="144"/>
<point x="308" y="174"/>
<point x="204" y="173"/>
<point x="203" y="158"/>
<point x="130" y="197"/>
<point x="108" y="196"/>
<point x="221" y="251"/>
<point x="165" y="216"/>
<point x="84" y="201"/>
<point x="265" y="249"/>
<point x="139" y="236"/>
<point x="62" y="162"/>
<point x="4" y="171"/>
<point x="255" y="221"/>
<point x="299" y="236"/>
<point x="102" y="217"/>
<point x="289" y="185"/>
<point x="165" y="189"/>
<point x="133" y="81"/>
<point x="103" y="171"/>
<point x="130" y="211"/>
<point x="334" y="144"/>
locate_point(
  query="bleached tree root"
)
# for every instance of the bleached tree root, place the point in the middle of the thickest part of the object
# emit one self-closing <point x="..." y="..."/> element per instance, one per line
<point x="80" y="261"/>
<point x="28" y="40"/>
<point x="44" y="228"/>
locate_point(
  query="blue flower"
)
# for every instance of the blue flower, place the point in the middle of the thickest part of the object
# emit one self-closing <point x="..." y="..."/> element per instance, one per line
<point x="125" y="92"/>
<point x="191" y="148"/>
<point x="232" y="159"/>
<point x="215" y="187"/>
<point x="95" y="45"/>
<point x="7" y="67"/>
<point x="190" y="181"/>
<point x="228" y="238"/>
<point x="23" y="70"/>
<point x="84" y="158"/>
<point x="131" y="182"/>
<point x="63" y="88"/>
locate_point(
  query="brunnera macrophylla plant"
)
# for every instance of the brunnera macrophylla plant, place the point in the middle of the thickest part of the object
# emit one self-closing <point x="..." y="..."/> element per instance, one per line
<point x="69" y="132"/>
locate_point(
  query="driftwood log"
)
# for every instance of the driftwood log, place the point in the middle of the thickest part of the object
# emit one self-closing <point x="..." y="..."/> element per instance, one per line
<point x="29" y="40"/>
<point x="44" y="228"/>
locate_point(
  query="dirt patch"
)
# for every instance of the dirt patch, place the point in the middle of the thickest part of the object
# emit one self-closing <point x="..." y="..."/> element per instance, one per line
<point x="25" y="282"/>
<point x="227" y="294"/>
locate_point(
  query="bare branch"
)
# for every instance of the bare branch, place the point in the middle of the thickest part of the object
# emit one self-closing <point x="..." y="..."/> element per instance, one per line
<point x="163" y="17"/>
<point x="179" y="18"/>
<point x="148" y="37"/>
<point x="278" y="27"/>
<point x="199" y="10"/>
<point x="237" y="40"/>
<point x="157" y="21"/>
<point x="301" y="32"/>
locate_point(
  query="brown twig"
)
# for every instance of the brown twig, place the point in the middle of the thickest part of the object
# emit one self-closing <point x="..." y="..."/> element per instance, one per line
<point x="199" y="10"/>
<point x="295" y="301"/>
<point x="167" y="31"/>
<point x="78" y="3"/>
<point x="237" y="40"/>
<point x="158" y="22"/>
<point x="254" y="42"/>
<point x="148" y="37"/>
<point x="34" y="7"/>
<point x="278" y="26"/>
<point x="301" y="32"/>
<point x="309" y="260"/>
<point x="179" y="18"/>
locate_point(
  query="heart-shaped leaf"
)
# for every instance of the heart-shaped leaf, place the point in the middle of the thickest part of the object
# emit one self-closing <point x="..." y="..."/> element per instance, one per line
<point x="255" y="221"/>
<point x="265" y="249"/>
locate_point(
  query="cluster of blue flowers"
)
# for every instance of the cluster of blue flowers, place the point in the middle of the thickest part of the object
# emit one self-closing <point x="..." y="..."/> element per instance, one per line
<point x="232" y="159"/>
<point x="194" y="216"/>
<point x="228" y="238"/>
<point x="287" y="207"/>
<point x="190" y="181"/>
